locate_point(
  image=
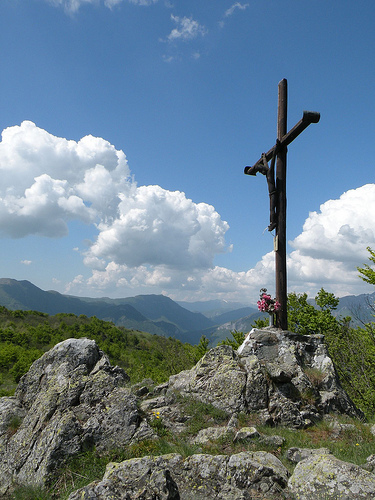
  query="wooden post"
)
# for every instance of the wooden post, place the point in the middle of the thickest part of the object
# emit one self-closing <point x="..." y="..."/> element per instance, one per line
<point x="284" y="138"/>
<point x="280" y="247"/>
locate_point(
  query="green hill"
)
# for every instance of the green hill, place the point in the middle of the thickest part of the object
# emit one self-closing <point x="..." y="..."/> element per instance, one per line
<point x="26" y="335"/>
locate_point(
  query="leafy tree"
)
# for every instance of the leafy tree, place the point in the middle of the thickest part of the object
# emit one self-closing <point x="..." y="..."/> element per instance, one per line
<point x="261" y="323"/>
<point x="326" y="301"/>
<point x="351" y="349"/>
<point x="202" y="347"/>
<point x="236" y="341"/>
<point x="304" y="318"/>
<point x="367" y="272"/>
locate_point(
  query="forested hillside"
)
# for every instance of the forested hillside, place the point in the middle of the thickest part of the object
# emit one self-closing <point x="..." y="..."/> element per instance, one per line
<point x="26" y="335"/>
<point x="149" y="313"/>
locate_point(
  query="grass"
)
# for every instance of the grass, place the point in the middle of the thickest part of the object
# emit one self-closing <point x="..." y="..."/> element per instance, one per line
<point x="7" y="384"/>
<point x="31" y="493"/>
<point x="14" y="425"/>
<point x="315" y="375"/>
<point x="201" y="415"/>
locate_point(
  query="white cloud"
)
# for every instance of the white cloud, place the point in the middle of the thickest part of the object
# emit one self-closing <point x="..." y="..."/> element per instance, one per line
<point x="160" y="227"/>
<point x="149" y="239"/>
<point x="187" y="29"/>
<point x="147" y="233"/>
<point x="112" y="3"/>
<point x="235" y="6"/>
<point x="26" y="262"/>
<point x="71" y="5"/>
<point x="74" y="5"/>
<point x="48" y="180"/>
<point x="229" y="12"/>
<point x="333" y="242"/>
<point x="342" y="229"/>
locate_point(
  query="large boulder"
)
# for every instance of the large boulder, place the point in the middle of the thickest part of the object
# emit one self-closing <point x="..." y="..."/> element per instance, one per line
<point x="217" y="378"/>
<point x="288" y="379"/>
<point x="71" y="400"/>
<point x="322" y="475"/>
<point x="199" y="477"/>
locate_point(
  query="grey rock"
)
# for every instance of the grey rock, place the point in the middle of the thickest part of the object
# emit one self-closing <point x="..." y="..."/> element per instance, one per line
<point x="279" y="367"/>
<point x="296" y="454"/>
<point x="324" y="476"/>
<point x="257" y="383"/>
<point x="161" y="389"/>
<point x="271" y="374"/>
<point x="198" y="477"/>
<point x="246" y="433"/>
<point x="217" y="379"/>
<point x="154" y="403"/>
<point x="233" y="421"/>
<point x="71" y="399"/>
<point x="12" y="413"/>
<point x="204" y="436"/>
<point x="338" y="428"/>
<point x="370" y="464"/>
<point x="274" y="440"/>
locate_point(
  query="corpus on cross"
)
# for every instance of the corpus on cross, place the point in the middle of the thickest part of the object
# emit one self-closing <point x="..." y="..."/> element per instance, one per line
<point x="276" y="182"/>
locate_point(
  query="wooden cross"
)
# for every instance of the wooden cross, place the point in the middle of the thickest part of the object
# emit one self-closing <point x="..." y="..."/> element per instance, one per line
<point x="277" y="191"/>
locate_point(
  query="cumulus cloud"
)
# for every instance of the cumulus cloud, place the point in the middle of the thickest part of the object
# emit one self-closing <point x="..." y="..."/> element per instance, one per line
<point x="48" y="180"/>
<point x="144" y="234"/>
<point x="342" y="229"/>
<point x="333" y="242"/>
<point x="318" y="260"/>
<point x="147" y="239"/>
<point x="187" y="29"/>
<point x="160" y="227"/>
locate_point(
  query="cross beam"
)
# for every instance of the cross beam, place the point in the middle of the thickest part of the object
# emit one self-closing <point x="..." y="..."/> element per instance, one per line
<point x="277" y="191"/>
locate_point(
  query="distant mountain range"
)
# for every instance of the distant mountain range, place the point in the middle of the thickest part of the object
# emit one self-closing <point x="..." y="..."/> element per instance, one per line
<point x="361" y="308"/>
<point x="186" y="321"/>
<point x="150" y="313"/>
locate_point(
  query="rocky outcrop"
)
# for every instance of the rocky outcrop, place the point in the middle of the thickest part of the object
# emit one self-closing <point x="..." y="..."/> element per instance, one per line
<point x="218" y="378"/>
<point x="288" y="379"/>
<point x="321" y="475"/>
<point x="200" y="477"/>
<point x="71" y="399"/>
<point x="244" y="476"/>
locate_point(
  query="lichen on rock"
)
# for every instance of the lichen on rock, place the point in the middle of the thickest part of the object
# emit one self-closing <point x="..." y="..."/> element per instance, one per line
<point x="71" y="399"/>
<point x="322" y="475"/>
<point x="198" y="477"/>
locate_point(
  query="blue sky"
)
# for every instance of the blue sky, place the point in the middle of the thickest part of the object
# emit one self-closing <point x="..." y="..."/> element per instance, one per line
<point x="126" y="126"/>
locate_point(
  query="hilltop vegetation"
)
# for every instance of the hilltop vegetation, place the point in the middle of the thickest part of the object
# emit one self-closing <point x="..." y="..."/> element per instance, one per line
<point x="26" y="335"/>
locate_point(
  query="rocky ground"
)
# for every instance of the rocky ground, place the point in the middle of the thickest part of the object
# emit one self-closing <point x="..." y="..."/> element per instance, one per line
<point x="73" y="400"/>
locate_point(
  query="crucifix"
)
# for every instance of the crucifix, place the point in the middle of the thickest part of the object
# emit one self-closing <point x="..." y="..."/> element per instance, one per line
<point x="277" y="191"/>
